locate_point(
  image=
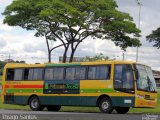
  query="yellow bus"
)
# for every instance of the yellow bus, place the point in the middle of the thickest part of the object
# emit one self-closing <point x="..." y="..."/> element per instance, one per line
<point x="108" y="85"/>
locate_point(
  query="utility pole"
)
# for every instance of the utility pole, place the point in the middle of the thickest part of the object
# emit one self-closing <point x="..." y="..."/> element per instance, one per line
<point x="123" y="56"/>
<point x="9" y="57"/>
<point x="139" y="22"/>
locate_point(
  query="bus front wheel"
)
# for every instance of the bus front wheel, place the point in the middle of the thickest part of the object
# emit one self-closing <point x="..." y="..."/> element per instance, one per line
<point x="53" y="107"/>
<point x="122" y="110"/>
<point x="105" y="105"/>
<point x="34" y="104"/>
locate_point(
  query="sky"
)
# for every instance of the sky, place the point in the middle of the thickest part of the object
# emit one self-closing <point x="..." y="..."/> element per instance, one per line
<point x="19" y="44"/>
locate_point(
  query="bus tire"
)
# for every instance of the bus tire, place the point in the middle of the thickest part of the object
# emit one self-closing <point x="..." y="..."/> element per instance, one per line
<point x="122" y="110"/>
<point x="105" y="105"/>
<point x="53" y="107"/>
<point x="34" y="104"/>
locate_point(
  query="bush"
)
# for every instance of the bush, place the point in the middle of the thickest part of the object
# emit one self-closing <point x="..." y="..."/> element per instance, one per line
<point x="2" y="64"/>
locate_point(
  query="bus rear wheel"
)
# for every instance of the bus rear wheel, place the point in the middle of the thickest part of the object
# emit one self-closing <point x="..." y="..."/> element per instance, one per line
<point x="53" y="107"/>
<point x="105" y="105"/>
<point x="122" y="110"/>
<point x="34" y="104"/>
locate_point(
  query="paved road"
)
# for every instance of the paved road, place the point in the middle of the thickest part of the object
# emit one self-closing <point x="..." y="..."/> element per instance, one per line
<point x="45" y="115"/>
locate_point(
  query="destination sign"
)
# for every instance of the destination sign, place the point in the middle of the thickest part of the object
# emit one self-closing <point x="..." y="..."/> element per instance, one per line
<point x="61" y="87"/>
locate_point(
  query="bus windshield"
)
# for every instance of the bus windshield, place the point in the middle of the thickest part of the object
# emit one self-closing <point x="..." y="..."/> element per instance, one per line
<point x="145" y="81"/>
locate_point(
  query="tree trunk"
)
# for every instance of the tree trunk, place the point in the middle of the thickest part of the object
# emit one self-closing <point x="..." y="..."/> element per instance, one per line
<point x="72" y="55"/>
<point x="48" y="48"/>
<point x="65" y="54"/>
<point x="73" y="50"/>
<point x="49" y="56"/>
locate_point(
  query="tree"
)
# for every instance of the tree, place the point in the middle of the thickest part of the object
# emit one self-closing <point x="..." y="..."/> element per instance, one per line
<point x="98" y="57"/>
<point x="19" y="61"/>
<point x="155" y="38"/>
<point x="72" y="21"/>
<point x="2" y="64"/>
<point x="26" y="14"/>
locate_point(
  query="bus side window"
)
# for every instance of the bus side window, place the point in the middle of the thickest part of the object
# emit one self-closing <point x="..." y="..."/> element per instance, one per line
<point x="48" y="74"/>
<point x="101" y="72"/>
<point x="118" y="75"/>
<point x="58" y="74"/>
<point x="28" y="74"/>
<point x="92" y="73"/>
<point x="123" y="77"/>
<point x="10" y="74"/>
<point x="18" y="74"/>
<point x="128" y="80"/>
<point x="37" y="74"/>
<point x="70" y="73"/>
<point x="80" y="73"/>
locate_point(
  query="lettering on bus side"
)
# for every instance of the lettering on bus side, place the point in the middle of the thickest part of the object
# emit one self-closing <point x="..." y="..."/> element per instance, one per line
<point x="61" y="87"/>
<point x="72" y="86"/>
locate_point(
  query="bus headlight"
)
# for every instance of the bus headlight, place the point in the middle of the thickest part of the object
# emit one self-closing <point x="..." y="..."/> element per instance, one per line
<point x="139" y="96"/>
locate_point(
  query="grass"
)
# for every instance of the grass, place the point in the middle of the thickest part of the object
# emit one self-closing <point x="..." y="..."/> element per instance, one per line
<point x="85" y="109"/>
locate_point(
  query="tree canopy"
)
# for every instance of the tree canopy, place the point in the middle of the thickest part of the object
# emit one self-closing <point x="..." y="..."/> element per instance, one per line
<point x="72" y="21"/>
<point x="155" y="38"/>
<point x="2" y="64"/>
<point x="98" y="57"/>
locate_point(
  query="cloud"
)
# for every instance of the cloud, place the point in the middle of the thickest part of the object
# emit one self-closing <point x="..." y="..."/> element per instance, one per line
<point x="2" y="43"/>
<point x="4" y="27"/>
<point x="39" y="45"/>
<point x="22" y="45"/>
<point x="5" y="2"/>
<point x="149" y="21"/>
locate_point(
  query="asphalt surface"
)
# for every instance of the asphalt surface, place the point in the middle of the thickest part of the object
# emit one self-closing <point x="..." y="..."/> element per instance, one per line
<point x="45" y="115"/>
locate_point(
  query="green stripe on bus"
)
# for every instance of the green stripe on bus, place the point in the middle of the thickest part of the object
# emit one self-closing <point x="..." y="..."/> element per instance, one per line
<point x="41" y="90"/>
<point x="24" y="90"/>
<point x="56" y="65"/>
<point x="97" y="91"/>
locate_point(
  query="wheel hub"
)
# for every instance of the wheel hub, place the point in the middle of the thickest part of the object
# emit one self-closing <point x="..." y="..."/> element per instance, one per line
<point x="34" y="103"/>
<point x="105" y="105"/>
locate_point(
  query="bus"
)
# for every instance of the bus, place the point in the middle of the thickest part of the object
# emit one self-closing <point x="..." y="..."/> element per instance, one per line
<point x="109" y="85"/>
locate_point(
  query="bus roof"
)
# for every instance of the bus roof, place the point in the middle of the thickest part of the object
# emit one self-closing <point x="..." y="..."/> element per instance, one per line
<point x="13" y="65"/>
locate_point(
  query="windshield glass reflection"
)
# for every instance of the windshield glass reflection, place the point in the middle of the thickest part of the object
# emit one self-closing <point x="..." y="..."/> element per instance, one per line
<point x="145" y="80"/>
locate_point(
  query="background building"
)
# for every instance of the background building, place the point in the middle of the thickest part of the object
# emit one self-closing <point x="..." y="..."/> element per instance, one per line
<point x="156" y="75"/>
<point x="75" y="59"/>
